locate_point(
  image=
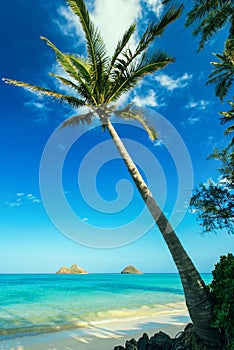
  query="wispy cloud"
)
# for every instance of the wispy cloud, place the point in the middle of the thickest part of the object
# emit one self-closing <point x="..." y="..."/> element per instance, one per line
<point x="192" y="120"/>
<point x="149" y="100"/>
<point x="221" y="182"/>
<point x="210" y="141"/>
<point x="22" y="198"/>
<point x="69" y="24"/>
<point x="171" y="83"/>
<point x="59" y="86"/>
<point x="39" y="104"/>
<point x="200" y="104"/>
<point x="36" y="105"/>
<point x="158" y="143"/>
<point x="112" y="18"/>
<point x="155" y="5"/>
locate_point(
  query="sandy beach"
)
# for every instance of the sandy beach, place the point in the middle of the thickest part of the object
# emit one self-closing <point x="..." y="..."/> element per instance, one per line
<point x="101" y="336"/>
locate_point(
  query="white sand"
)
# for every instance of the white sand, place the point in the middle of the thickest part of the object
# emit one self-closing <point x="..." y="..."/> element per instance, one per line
<point x="102" y="336"/>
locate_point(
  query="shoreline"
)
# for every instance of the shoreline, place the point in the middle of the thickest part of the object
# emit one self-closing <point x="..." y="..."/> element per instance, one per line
<point x="103" y="336"/>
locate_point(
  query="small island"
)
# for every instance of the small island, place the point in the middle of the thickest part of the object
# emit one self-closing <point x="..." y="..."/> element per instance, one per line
<point x="73" y="270"/>
<point x="131" y="270"/>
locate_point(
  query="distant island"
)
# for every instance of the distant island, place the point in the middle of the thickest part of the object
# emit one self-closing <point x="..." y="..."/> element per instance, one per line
<point x="74" y="269"/>
<point x="131" y="270"/>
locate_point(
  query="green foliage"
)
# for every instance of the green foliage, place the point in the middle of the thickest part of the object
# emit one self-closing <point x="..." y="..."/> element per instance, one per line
<point x="228" y="117"/>
<point x="222" y="291"/>
<point x="98" y="80"/>
<point x="214" y="202"/>
<point x="211" y="16"/>
<point x="226" y="157"/>
<point x="223" y="73"/>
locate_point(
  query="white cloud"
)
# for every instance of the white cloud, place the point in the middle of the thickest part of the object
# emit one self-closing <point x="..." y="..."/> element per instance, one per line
<point x="220" y="182"/>
<point x="19" y="194"/>
<point x="111" y="17"/>
<point x="193" y="211"/>
<point x="35" y="104"/>
<point x="210" y="140"/>
<point x="158" y="143"/>
<point x="224" y="181"/>
<point x="38" y="103"/>
<point x="114" y="17"/>
<point x="201" y="104"/>
<point x="58" y="70"/>
<point x="69" y="23"/>
<point x="13" y="204"/>
<point x="22" y="198"/>
<point x="36" y="200"/>
<point x="192" y="120"/>
<point x="155" y="5"/>
<point x="171" y="83"/>
<point x="123" y="100"/>
<point x="149" y="100"/>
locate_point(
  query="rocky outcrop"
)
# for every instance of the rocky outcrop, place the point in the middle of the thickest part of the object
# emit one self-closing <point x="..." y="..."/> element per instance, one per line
<point x="162" y="341"/>
<point x="74" y="269"/>
<point x="63" y="270"/>
<point x="131" y="270"/>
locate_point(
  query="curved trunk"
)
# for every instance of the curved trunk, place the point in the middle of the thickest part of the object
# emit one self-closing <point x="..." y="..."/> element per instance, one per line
<point x="196" y="295"/>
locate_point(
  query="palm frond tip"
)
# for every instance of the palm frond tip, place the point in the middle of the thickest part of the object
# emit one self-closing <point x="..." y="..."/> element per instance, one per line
<point x="78" y="119"/>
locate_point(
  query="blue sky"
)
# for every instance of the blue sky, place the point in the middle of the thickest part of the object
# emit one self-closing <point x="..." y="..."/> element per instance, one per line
<point x="178" y="99"/>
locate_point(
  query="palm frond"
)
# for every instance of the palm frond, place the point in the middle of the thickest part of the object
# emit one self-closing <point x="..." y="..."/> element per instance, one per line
<point x="228" y="117"/>
<point x="81" y="89"/>
<point x="146" y="66"/>
<point x="223" y="73"/>
<point x="83" y="84"/>
<point x="73" y="101"/>
<point x="229" y="130"/>
<point x="134" y="113"/>
<point x="82" y="66"/>
<point x="210" y="25"/>
<point x="65" y="81"/>
<point x="153" y="30"/>
<point x="122" y="43"/>
<point x="78" y="119"/>
<point x="95" y="45"/>
<point x="64" y="61"/>
<point x="118" y="52"/>
<point x="211" y="17"/>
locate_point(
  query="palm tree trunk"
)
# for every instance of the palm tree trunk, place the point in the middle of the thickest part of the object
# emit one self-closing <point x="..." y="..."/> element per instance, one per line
<point x="196" y="294"/>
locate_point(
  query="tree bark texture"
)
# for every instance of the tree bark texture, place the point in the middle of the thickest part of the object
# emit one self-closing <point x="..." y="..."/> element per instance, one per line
<point x="196" y="294"/>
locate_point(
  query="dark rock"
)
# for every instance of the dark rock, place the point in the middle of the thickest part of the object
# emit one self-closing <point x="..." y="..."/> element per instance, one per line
<point x="186" y="339"/>
<point x="131" y="344"/>
<point x="161" y="341"/>
<point x="143" y="342"/>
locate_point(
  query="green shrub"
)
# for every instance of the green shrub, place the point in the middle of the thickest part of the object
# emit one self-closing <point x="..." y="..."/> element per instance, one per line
<point x="222" y="291"/>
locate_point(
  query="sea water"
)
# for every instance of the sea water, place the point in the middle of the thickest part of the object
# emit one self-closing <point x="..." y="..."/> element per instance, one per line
<point x="43" y="303"/>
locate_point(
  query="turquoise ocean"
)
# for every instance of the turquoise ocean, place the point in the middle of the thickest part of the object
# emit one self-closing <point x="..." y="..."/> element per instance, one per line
<point x="41" y="303"/>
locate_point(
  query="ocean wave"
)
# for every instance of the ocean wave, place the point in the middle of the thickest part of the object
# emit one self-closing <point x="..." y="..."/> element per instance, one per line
<point x="90" y="319"/>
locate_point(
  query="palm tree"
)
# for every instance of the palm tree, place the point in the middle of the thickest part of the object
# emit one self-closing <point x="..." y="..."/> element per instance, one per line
<point x="223" y="72"/>
<point x="99" y="81"/>
<point x="227" y="118"/>
<point x="212" y="16"/>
